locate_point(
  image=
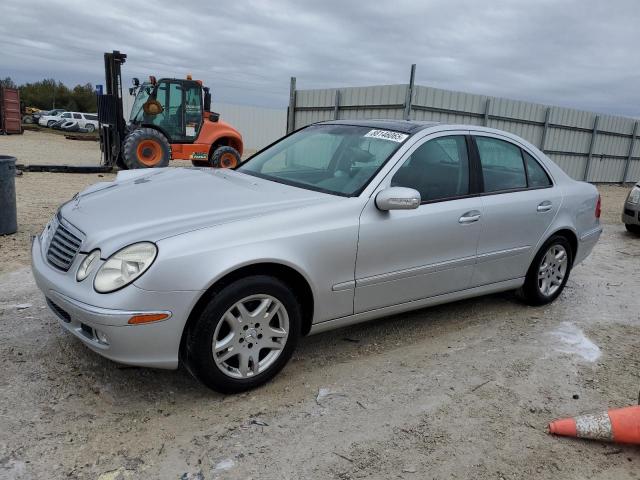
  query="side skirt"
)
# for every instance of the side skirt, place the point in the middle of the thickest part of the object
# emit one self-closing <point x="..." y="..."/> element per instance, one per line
<point x="416" y="304"/>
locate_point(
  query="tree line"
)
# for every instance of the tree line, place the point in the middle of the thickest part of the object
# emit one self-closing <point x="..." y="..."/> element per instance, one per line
<point x="48" y="94"/>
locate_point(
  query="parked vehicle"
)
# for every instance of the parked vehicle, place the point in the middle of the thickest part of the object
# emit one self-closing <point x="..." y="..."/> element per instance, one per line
<point x="631" y="210"/>
<point x="48" y="119"/>
<point x="83" y="120"/>
<point x="171" y="119"/>
<point x="51" y="113"/>
<point x="338" y="223"/>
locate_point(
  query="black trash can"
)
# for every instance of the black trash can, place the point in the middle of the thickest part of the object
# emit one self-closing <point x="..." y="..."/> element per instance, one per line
<point x="8" y="213"/>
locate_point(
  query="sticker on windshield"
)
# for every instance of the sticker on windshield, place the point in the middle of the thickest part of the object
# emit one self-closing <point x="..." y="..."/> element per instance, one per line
<point x="387" y="135"/>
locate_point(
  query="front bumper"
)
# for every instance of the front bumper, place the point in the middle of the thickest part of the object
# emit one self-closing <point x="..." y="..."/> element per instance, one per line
<point x="104" y="329"/>
<point x="631" y="214"/>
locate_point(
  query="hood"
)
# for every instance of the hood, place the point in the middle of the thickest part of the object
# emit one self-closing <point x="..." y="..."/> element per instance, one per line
<point x="151" y="205"/>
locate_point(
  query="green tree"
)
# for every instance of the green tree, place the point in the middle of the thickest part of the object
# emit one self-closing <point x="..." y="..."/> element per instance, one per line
<point x="7" y="82"/>
<point x="48" y="94"/>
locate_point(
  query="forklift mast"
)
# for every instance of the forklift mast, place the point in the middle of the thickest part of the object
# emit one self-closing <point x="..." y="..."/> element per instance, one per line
<point x="110" y="110"/>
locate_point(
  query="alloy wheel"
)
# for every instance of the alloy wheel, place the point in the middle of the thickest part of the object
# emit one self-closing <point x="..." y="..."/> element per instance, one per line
<point x="552" y="270"/>
<point x="250" y="336"/>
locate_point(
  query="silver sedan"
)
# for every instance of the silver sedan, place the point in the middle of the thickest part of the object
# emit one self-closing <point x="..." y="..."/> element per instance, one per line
<point x="338" y="223"/>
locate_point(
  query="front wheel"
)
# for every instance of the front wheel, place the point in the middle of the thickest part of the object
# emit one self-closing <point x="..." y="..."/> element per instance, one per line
<point x="635" y="229"/>
<point x="549" y="272"/>
<point x="245" y="335"/>
<point x="146" y="148"/>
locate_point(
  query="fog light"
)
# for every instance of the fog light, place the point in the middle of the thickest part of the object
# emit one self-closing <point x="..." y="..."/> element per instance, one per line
<point x="101" y="337"/>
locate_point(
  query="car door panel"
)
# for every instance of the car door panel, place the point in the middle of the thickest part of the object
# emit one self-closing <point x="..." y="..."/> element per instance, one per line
<point x="513" y="224"/>
<point x="406" y="255"/>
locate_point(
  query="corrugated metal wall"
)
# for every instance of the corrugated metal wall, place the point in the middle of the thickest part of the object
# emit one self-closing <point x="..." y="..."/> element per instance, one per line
<point x="586" y="145"/>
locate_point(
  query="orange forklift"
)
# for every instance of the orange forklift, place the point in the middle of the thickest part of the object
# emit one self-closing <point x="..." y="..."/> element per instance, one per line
<point x="171" y="119"/>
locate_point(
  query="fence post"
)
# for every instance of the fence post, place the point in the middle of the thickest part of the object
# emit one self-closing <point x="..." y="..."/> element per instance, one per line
<point x="547" y="116"/>
<point x="337" y="105"/>
<point x="631" y="144"/>
<point x="487" y="107"/>
<point x="407" y="100"/>
<point x="291" y="112"/>
<point x="591" y="144"/>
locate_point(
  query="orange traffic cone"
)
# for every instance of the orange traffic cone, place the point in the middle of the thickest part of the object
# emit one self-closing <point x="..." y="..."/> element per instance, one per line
<point x="621" y="425"/>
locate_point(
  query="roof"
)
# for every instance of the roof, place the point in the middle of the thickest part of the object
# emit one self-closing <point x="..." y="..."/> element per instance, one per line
<point x="404" y="126"/>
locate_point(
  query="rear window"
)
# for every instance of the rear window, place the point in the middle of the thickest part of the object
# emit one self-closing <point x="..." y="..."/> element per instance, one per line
<point x="538" y="178"/>
<point x="502" y="165"/>
<point x="91" y="117"/>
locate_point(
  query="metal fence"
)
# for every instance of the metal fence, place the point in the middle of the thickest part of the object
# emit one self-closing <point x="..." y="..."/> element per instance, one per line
<point x="588" y="146"/>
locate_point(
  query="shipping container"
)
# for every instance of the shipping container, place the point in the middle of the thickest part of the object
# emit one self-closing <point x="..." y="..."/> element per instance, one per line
<point x="10" y="115"/>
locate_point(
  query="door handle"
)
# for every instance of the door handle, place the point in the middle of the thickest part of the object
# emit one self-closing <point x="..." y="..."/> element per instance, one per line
<point x="470" y="217"/>
<point x="545" y="206"/>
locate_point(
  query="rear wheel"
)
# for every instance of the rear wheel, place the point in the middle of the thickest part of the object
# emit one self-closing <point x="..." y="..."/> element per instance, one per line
<point x="90" y="127"/>
<point x="245" y="335"/>
<point x="225" y="157"/>
<point x="632" y="228"/>
<point x="146" y="148"/>
<point x="549" y="272"/>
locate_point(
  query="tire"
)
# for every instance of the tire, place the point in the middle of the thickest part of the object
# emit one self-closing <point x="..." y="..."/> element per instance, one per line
<point x="90" y="127"/>
<point x="635" y="229"/>
<point x="200" y="163"/>
<point x="225" y="157"/>
<point x="223" y="321"/>
<point x="541" y="291"/>
<point x="146" y="148"/>
<point x="50" y="123"/>
<point x="28" y="119"/>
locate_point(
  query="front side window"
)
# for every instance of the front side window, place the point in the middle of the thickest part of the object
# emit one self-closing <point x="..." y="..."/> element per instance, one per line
<point x="65" y="115"/>
<point x="337" y="159"/>
<point x="502" y="165"/>
<point x="77" y="115"/>
<point x="538" y="178"/>
<point x="438" y="169"/>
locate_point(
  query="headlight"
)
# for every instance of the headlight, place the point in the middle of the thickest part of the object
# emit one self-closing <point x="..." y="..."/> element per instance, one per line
<point x="634" y="195"/>
<point x="87" y="265"/>
<point x="124" y="266"/>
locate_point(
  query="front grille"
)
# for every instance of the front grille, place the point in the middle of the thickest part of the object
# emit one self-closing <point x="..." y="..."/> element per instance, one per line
<point x="61" y="313"/>
<point x="63" y="248"/>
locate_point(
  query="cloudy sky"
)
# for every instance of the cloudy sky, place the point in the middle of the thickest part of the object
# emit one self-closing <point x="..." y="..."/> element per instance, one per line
<point x="576" y="53"/>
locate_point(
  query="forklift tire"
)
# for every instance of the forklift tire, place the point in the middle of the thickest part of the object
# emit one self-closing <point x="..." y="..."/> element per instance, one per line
<point x="146" y="148"/>
<point x="225" y="157"/>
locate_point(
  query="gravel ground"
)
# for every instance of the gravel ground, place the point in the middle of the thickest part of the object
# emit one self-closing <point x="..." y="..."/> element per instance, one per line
<point x="457" y="391"/>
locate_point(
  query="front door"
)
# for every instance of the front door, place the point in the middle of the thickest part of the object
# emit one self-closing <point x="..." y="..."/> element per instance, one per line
<point x="406" y="255"/>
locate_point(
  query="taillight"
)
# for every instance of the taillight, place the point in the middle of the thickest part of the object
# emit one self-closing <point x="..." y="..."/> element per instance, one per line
<point x="598" y="207"/>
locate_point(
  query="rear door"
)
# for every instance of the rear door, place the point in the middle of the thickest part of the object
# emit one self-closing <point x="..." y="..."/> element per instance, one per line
<point x="519" y="203"/>
<point x="406" y="255"/>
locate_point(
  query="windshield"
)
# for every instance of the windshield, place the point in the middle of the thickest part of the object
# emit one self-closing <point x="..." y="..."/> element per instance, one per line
<point x="337" y="159"/>
<point x="141" y="97"/>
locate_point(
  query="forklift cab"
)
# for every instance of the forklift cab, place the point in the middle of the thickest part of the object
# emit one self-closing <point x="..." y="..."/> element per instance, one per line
<point x="177" y="108"/>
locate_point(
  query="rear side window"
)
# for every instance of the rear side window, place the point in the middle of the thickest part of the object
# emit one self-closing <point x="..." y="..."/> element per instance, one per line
<point x="91" y="117"/>
<point x="538" y="178"/>
<point x="502" y="165"/>
<point x="438" y="169"/>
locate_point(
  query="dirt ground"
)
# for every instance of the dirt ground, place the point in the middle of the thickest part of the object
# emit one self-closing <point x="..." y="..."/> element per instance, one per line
<point x="457" y="391"/>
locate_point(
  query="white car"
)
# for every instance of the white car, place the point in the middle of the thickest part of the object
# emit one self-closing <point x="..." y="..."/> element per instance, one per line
<point x="47" y="119"/>
<point x="85" y="120"/>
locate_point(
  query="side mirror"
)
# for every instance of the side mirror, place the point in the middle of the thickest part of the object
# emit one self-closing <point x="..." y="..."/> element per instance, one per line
<point x="398" y="198"/>
<point x="135" y="81"/>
